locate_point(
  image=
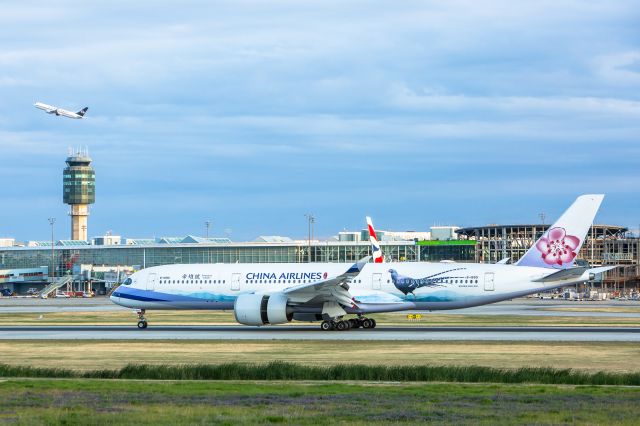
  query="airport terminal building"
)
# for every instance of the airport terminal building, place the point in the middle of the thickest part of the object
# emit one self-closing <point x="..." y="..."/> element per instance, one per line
<point x="104" y="263"/>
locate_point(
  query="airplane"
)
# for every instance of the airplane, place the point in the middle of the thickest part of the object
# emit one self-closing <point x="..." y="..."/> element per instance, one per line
<point x="277" y="293"/>
<point x="59" y="111"/>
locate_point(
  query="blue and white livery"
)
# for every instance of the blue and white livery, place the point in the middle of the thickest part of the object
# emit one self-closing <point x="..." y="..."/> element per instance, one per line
<point x="275" y="293"/>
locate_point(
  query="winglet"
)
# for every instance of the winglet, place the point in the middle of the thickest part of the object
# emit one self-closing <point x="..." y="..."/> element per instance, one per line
<point x="357" y="267"/>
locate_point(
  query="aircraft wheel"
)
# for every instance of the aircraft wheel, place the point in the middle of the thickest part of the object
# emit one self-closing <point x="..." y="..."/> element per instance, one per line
<point x="142" y="324"/>
<point x="341" y="325"/>
<point x="354" y="323"/>
<point x="326" y="326"/>
<point x="373" y="323"/>
<point x="366" y="323"/>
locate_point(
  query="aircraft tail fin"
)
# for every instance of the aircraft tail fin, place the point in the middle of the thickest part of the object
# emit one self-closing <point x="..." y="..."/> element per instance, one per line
<point x="82" y="112"/>
<point x="375" y="245"/>
<point x="560" y="244"/>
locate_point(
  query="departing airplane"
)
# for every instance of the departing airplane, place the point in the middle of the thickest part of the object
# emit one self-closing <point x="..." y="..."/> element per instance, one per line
<point x="59" y="111"/>
<point x="276" y="293"/>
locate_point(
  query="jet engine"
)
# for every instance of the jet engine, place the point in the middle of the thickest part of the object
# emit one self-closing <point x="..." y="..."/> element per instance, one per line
<point x="261" y="309"/>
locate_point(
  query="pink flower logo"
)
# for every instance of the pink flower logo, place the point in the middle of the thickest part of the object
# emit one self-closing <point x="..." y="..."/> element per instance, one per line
<point x="558" y="247"/>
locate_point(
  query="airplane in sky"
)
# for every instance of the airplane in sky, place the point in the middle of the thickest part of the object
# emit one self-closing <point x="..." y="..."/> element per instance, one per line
<point x="276" y="293"/>
<point x="59" y="111"/>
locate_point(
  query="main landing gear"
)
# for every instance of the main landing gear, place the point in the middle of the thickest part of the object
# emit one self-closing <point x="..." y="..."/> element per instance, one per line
<point x="142" y="321"/>
<point x="342" y="325"/>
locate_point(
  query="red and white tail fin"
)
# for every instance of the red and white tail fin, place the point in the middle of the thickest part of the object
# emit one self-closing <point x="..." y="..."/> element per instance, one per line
<point x="375" y="245"/>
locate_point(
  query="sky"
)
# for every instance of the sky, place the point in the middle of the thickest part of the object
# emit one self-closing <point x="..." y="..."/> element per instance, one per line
<point x="251" y="114"/>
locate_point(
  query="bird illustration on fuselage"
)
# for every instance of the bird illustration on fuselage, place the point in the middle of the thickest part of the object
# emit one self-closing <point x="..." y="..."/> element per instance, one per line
<point x="409" y="285"/>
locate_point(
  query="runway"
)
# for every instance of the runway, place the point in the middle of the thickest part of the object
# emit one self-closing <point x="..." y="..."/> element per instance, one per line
<point x="528" y="307"/>
<point x="382" y="333"/>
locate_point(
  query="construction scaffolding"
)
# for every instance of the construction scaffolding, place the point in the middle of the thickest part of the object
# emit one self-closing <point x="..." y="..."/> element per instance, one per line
<point x="605" y="245"/>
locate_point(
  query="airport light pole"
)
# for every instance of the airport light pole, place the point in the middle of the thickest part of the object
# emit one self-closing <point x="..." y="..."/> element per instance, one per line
<point x="311" y="220"/>
<point x="207" y="225"/>
<point x="52" y="221"/>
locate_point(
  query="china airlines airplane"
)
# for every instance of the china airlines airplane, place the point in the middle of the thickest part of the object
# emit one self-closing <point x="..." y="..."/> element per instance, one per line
<point x="276" y="293"/>
<point x="59" y="111"/>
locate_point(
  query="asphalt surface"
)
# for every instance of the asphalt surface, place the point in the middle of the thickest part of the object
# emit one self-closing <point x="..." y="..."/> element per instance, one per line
<point x="529" y="307"/>
<point x="572" y="334"/>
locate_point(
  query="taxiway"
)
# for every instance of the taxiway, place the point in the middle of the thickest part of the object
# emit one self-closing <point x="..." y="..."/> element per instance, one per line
<point x="382" y="333"/>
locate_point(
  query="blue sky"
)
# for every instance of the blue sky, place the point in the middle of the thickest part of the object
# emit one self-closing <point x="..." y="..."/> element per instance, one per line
<point x="251" y="113"/>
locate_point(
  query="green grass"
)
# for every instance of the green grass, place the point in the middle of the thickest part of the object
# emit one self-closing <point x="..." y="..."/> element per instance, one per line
<point x="90" y="401"/>
<point x="345" y="372"/>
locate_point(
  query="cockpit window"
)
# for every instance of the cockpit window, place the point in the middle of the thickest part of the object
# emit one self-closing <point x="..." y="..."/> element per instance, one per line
<point x="128" y="281"/>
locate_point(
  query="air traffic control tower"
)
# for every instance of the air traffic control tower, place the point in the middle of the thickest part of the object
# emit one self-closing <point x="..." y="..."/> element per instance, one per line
<point x="79" y="180"/>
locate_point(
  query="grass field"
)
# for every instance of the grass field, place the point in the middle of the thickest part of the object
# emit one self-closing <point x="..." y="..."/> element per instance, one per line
<point x="225" y="318"/>
<point x="45" y="401"/>
<point x="125" y="401"/>
<point x="92" y="354"/>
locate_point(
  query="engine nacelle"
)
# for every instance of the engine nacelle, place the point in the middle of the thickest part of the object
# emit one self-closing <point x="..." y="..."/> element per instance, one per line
<point x="261" y="309"/>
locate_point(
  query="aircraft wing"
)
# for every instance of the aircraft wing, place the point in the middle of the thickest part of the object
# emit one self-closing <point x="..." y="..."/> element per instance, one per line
<point x="334" y="289"/>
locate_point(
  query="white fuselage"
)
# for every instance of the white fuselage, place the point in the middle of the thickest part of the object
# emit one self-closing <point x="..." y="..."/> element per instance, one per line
<point x="49" y="109"/>
<point x="426" y="286"/>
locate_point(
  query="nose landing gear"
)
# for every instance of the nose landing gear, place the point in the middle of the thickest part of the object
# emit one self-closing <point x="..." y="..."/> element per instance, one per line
<point x="142" y="321"/>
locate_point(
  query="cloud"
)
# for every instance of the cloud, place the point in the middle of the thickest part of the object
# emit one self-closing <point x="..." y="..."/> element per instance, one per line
<point x="402" y="97"/>
<point x="285" y="106"/>
<point x="621" y="69"/>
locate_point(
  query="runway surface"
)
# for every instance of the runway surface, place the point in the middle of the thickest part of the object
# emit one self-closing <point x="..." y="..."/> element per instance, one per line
<point x="569" y="334"/>
<point x="528" y="307"/>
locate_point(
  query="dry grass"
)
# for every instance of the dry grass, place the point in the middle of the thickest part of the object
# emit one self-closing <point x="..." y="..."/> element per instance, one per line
<point x="392" y="319"/>
<point x="88" y="355"/>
